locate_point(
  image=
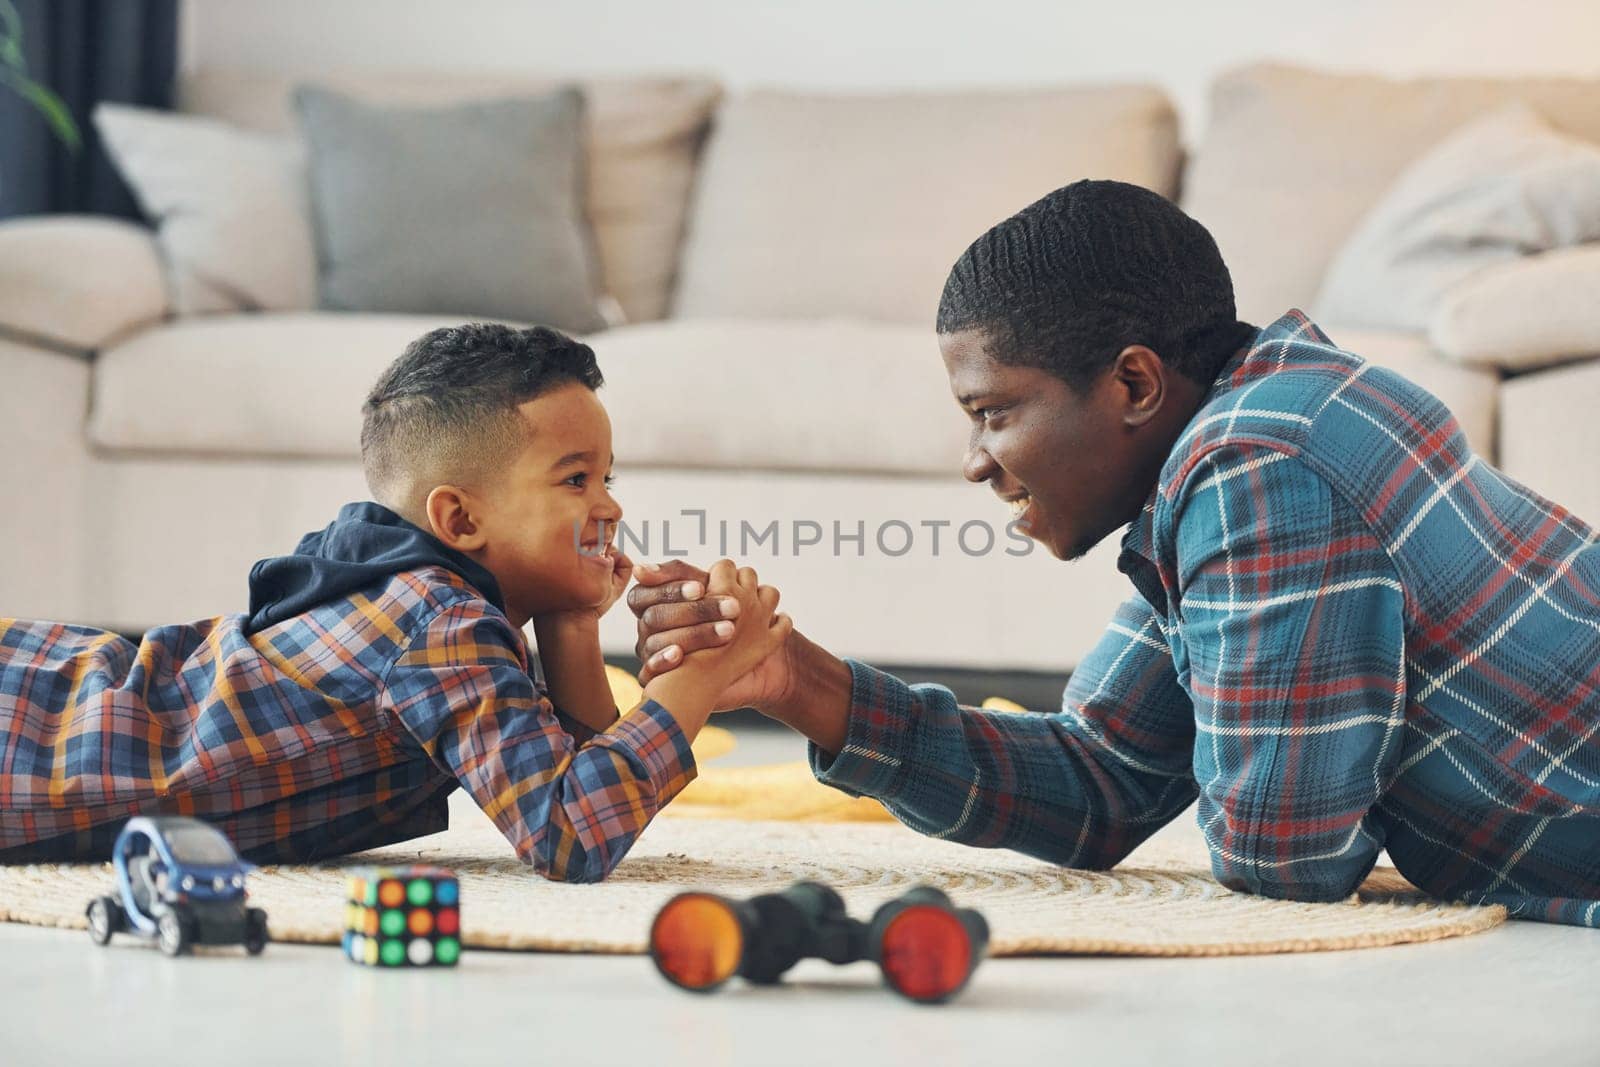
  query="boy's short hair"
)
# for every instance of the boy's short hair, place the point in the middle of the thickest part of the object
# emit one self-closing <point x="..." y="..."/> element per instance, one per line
<point x="445" y="411"/>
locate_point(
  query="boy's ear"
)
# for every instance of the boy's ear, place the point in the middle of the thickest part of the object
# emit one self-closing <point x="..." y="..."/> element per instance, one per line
<point x="450" y="517"/>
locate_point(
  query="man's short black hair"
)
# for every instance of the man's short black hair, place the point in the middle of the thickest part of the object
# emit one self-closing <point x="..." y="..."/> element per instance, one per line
<point x="445" y="411"/>
<point x="1071" y="280"/>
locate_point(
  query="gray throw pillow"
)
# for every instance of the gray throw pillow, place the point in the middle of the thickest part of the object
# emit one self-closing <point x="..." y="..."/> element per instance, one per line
<point x="475" y="209"/>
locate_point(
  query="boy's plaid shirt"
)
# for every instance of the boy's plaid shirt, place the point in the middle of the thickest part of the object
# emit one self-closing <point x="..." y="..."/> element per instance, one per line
<point x="1351" y="633"/>
<point x="340" y="729"/>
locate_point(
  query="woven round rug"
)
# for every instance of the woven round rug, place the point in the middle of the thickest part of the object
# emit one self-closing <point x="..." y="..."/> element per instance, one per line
<point x="1162" y="901"/>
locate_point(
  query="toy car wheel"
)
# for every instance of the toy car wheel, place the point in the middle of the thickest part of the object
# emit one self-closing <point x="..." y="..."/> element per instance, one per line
<point x="105" y="919"/>
<point x="173" y="934"/>
<point x="255" y="931"/>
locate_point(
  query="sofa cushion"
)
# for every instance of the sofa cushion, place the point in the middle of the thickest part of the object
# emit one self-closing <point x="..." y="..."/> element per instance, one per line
<point x="643" y="139"/>
<point x="823" y="396"/>
<point x="1292" y="159"/>
<point x="286" y="384"/>
<point x="829" y="396"/>
<point x="474" y="209"/>
<point x="814" y="205"/>
<point x="1550" y="436"/>
<point x="1470" y="393"/>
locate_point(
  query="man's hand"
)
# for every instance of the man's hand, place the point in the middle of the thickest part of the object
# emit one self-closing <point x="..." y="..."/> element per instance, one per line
<point x="677" y="617"/>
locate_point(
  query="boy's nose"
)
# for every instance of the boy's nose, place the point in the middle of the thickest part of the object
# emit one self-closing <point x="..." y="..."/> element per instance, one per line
<point x="608" y="509"/>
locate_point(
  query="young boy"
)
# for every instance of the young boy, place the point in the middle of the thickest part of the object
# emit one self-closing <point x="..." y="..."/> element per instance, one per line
<point x="383" y="664"/>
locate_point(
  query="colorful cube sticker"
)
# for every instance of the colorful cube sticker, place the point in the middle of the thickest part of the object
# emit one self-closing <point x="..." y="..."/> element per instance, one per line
<point x="403" y="917"/>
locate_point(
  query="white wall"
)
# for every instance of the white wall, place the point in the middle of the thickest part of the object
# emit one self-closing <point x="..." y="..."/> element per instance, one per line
<point x="851" y="44"/>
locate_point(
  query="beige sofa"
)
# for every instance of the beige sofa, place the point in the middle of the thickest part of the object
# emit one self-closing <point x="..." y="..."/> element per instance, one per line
<point x="796" y="380"/>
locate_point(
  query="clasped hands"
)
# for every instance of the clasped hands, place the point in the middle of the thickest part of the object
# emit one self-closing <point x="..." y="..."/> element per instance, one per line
<point x="684" y="611"/>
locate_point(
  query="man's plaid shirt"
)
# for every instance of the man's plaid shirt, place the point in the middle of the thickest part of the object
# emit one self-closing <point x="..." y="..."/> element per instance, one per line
<point x="1350" y="633"/>
<point x="339" y="729"/>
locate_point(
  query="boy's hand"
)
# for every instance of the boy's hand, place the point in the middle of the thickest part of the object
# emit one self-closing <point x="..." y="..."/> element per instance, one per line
<point x="717" y="674"/>
<point x="758" y="631"/>
<point x="678" y="616"/>
<point x="586" y="619"/>
<point x="621" y="573"/>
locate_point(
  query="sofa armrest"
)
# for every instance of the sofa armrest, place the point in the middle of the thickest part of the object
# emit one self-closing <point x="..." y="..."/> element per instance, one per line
<point x="77" y="282"/>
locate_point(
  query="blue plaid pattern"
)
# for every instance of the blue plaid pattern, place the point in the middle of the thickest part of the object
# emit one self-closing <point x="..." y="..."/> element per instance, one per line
<point x="1349" y="634"/>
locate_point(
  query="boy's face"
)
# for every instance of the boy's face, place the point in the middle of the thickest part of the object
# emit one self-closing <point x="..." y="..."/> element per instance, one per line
<point x="551" y="498"/>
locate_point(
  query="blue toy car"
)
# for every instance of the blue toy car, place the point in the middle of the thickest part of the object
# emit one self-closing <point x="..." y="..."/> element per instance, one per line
<point x="178" y="881"/>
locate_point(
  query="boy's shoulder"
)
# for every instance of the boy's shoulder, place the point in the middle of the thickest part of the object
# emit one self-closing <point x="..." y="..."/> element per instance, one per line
<point x="387" y="618"/>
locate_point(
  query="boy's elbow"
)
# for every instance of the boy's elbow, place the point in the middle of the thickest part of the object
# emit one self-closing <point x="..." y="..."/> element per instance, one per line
<point x="569" y="863"/>
<point x="579" y="873"/>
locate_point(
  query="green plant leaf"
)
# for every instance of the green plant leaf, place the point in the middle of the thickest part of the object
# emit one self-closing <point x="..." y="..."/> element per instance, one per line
<point x="11" y="37"/>
<point x="49" y="105"/>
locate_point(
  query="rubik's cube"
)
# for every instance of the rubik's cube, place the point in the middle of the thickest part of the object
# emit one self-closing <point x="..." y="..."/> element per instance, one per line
<point x="403" y="917"/>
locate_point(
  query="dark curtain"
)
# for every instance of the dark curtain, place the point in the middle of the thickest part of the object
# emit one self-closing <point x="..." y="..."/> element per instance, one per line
<point x="86" y="51"/>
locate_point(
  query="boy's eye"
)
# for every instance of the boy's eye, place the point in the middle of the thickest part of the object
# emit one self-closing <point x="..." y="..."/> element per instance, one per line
<point x="611" y="479"/>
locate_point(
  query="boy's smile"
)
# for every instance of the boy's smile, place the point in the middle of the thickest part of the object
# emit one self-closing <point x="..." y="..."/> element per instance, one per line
<point x="554" y="519"/>
<point x="545" y="523"/>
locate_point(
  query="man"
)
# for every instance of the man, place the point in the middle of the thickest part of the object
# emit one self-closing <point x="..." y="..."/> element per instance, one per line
<point x="1348" y="632"/>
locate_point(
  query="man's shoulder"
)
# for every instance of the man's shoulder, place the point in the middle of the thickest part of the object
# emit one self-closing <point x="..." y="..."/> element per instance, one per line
<point x="1297" y="393"/>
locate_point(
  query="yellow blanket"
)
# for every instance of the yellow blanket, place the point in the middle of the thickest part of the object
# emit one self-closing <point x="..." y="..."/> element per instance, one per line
<point x="785" y="791"/>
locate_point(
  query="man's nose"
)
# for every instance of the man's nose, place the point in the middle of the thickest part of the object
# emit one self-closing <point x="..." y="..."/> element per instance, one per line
<point x="978" y="465"/>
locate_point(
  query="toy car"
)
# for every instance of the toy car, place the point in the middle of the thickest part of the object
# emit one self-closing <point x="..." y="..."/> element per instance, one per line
<point x="179" y="881"/>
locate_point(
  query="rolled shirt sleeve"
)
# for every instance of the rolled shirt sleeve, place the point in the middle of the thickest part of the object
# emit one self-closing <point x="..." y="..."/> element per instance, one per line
<point x="1081" y="787"/>
<point x="571" y="810"/>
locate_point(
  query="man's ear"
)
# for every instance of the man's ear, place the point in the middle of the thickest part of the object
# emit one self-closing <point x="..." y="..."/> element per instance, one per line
<point x="1141" y="379"/>
<point x="450" y="517"/>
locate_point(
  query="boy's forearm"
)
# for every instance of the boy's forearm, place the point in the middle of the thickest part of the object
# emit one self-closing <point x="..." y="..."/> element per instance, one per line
<point x="688" y="695"/>
<point x="575" y="671"/>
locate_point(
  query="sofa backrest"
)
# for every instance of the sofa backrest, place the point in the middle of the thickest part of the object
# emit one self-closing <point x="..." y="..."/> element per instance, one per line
<point x="815" y="205"/>
<point x="645" y="136"/>
<point x="1292" y="159"/>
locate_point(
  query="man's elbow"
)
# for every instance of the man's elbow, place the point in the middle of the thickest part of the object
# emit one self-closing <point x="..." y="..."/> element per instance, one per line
<point x="1094" y="852"/>
<point x="1314" y="885"/>
<point x="1103" y="855"/>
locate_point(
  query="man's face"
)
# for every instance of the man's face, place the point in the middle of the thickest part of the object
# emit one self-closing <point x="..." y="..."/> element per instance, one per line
<point x="1075" y="467"/>
<point x="550" y="496"/>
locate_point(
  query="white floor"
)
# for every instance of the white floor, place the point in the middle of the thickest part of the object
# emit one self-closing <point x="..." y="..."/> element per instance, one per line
<point x="1522" y="994"/>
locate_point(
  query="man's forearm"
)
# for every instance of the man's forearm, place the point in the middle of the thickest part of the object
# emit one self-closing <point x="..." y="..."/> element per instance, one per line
<point x="575" y="672"/>
<point x="817" y="701"/>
